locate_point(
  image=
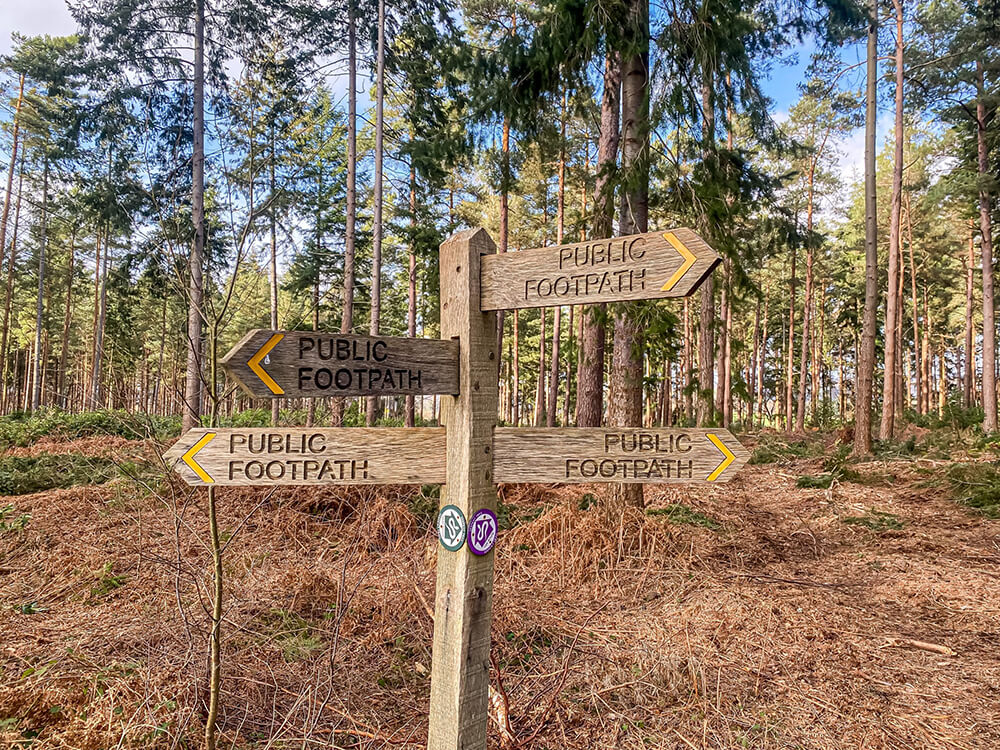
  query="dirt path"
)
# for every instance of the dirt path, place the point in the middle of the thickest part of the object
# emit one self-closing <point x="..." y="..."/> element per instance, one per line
<point x="750" y="615"/>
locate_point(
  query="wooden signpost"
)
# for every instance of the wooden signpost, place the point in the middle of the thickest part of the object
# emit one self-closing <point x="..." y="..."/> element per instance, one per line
<point x="284" y="364"/>
<point x="597" y="454"/>
<point x="469" y="455"/>
<point x="309" y="455"/>
<point x="641" y="266"/>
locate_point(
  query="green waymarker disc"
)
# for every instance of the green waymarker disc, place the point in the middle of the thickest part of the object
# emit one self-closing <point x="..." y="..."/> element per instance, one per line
<point x="451" y="527"/>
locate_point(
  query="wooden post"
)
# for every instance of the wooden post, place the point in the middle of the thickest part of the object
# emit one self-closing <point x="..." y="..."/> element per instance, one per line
<point x="463" y="605"/>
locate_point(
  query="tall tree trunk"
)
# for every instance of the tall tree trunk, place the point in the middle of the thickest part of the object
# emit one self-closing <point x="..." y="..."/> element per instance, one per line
<point x="67" y="319"/>
<point x="727" y="353"/>
<point x="866" y="361"/>
<point x="97" y="384"/>
<point x="376" y="311"/>
<point x="986" y="230"/>
<point x="9" y="195"/>
<point x="887" y="426"/>
<point x="505" y="180"/>
<point x="590" y="374"/>
<point x="9" y="292"/>
<point x="516" y="394"/>
<point x="687" y="362"/>
<point x="800" y="408"/>
<point x="629" y="343"/>
<point x="411" y="296"/>
<point x="789" y="367"/>
<point x="273" y="260"/>
<point x="550" y="417"/>
<point x="43" y="249"/>
<point x="540" y="390"/>
<point x="569" y="368"/>
<point x="706" y="320"/>
<point x="913" y="302"/>
<point x="347" y="309"/>
<point x="969" y="381"/>
<point x="762" y="362"/>
<point x="192" y="380"/>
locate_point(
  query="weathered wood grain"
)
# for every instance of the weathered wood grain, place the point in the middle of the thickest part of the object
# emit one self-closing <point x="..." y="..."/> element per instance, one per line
<point x="641" y="266"/>
<point x="265" y="456"/>
<point x="463" y="604"/>
<point x="313" y="364"/>
<point x="628" y="455"/>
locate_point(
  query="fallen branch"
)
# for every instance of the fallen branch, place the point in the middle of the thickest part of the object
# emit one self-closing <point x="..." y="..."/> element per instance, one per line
<point x="922" y="645"/>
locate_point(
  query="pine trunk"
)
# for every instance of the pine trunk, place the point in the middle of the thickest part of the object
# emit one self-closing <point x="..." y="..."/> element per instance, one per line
<point x="986" y="230"/>
<point x="590" y="374"/>
<point x="371" y="405"/>
<point x="866" y="361"/>
<point x="192" y="379"/>
<point x="627" y="357"/>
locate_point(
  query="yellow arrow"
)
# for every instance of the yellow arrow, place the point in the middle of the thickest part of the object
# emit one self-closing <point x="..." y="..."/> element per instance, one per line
<point x="259" y="371"/>
<point x="729" y="457"/>
<point x="689" y="260"/>
<point x="193" y="451"/>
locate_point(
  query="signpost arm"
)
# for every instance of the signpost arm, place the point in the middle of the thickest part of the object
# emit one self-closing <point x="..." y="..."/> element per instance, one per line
<point x="463" y="602"/>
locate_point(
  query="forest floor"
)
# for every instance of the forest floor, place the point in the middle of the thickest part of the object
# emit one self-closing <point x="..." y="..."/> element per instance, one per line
<point x="760" y="613"/>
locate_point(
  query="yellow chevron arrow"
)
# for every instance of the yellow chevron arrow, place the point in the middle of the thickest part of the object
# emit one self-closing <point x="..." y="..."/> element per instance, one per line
<point x="259" y="371"/>
<point x="689" y="260"/>
<point x="729" y="457"/>
<point x="193" y="451"/>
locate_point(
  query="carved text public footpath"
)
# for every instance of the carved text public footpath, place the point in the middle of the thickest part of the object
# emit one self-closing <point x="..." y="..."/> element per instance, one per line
<point x="276" y="364"/>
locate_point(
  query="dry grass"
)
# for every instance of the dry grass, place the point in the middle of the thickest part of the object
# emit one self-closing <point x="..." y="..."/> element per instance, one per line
<point x="611" y="630"/>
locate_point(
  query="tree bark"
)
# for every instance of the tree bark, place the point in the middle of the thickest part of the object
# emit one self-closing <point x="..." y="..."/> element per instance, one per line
<point x="969" y="380"/>
<point x="351" y="207"/>
<point x="706" y="320"/>
<point x="590" y="374"/>
<point x="67" y="320"/>
<point x="376" y="291"/>
<point x="866" y="361"/>
<point x="411" y="292"/>
<point x="43" y="248"/>
<point x="887" y="426"/>
<point x="629" y="343"/>
<point x="273" y="260"/>
<point x="9" y="294"/>
<point x="986" y="246"/>
<point x="550" y="417"/>
<point x="193" y="380"/>
<point x="9" y="195"/>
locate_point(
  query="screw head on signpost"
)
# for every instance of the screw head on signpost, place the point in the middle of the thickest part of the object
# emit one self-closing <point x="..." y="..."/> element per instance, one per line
<point x="451" y="528"/>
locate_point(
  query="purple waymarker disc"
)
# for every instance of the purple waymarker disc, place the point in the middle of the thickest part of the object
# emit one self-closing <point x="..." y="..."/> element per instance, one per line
<point x="483" y="528"/>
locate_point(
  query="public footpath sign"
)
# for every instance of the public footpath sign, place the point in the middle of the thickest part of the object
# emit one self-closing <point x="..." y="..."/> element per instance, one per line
<point x="266" y="456"/>
<point x="289" y="364"/>
<point x="584" y="454"/>
<point x="641" y="266"/>
<point x="470" y="454"/>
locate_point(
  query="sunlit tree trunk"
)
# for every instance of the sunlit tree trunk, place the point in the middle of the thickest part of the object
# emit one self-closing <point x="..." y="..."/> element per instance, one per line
<point x="986" y="247"/>
<point x="590" y="374"/>
<point x="411" y="295"/>
<point x="625" y="403"/>
<point x="36" y="372"/>
<point x="969" y="380"/>
<point x="887" y="426"/>
<point x="866" y="360"/>
<point x="193" y="380"/>
<point x="377" y="229"/>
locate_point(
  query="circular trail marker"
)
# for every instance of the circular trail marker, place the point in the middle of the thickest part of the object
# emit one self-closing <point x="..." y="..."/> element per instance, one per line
<point x="451" y="528"/>
<point x="483" y="529"/>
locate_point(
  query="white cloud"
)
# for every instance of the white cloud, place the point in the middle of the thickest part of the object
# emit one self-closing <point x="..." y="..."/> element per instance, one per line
<point x="33" y="17"/>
